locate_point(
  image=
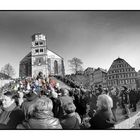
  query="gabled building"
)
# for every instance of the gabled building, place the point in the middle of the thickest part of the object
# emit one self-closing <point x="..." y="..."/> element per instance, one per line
<point x="89" y="71"/>
<point x="138" y="80"/>
<point x="41" y="59"/>
<point x="99" y="77"/>
<point x="120" y="74"/>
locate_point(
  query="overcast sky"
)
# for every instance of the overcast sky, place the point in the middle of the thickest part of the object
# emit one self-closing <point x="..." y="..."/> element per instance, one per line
<point x="96" y="37"/>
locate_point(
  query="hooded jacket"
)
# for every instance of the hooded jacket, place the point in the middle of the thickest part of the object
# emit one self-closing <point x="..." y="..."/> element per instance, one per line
<point x="103" y="119"/>
<point x="31" y="99"/>
<point x="42" y="120"/>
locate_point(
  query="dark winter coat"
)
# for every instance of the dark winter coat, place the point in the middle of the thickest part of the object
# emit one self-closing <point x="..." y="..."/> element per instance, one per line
<point x="70" y="122"/>
<point x="103" y="119"/>
<point x="124" y="97"/>
<point x="92" y="104"/>
<point x="56" y="107"/>
<point x="10" y="117"/>
<point x="133" y="96"/>
<point x="41" y="120"/>
<point x="115" y="99"/>
<point x="31" y="99"/>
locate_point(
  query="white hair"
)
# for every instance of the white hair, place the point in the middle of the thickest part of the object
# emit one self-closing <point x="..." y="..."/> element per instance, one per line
<point x="106" y="102"/>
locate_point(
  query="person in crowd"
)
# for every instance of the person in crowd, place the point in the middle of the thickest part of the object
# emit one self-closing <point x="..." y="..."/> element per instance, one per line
<point x="20" y="98"/>
<point x="100" y="88"/>
<point x="77" y="98"/>
<point x="11" y="115"/>
<point x="71" y="120"/>
<point x="31" y="98"/>
<point x="40" y="76"/>
<point x="56" y="103"/>
<point x="125" y="101"/>
<point x="64" y="99"/>
<point x="115" y="98"/>
<point x="41" y="116"/>
<point x="103" y="118"/>
<point x="133" y="99"/>
<point x="92" y="103"/>
<point x="85" y="122"/>
<point x="83" y="103"/>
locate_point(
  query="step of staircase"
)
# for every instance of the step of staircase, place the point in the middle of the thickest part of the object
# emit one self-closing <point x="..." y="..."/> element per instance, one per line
<point x="62" y="84"/>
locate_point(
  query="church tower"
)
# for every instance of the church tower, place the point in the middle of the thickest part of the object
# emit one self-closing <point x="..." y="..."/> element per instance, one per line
<point x="39" y="54"/>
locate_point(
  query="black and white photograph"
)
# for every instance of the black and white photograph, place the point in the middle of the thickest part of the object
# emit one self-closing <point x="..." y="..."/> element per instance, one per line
<point x="69" y="70"/>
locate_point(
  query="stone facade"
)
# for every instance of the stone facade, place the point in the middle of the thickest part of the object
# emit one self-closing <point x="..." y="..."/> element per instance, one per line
<point x="138" y="80"/>
<point x="120" y="74"/>
<point x="99" y="77"/>
<point x="41" y="59"/>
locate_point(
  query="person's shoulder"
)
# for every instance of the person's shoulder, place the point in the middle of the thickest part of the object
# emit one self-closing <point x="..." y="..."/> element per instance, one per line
<point x="54" y="123"/>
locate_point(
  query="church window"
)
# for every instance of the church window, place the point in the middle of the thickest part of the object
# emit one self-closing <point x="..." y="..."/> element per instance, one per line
<point x="36" y="50"/>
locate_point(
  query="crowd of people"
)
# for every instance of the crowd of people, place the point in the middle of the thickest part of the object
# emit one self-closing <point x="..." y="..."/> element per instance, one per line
<point x="40" y="103"/>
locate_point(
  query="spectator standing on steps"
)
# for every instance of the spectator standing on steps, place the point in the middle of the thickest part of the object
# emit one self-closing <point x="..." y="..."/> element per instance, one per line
<point x="125" y="102"/>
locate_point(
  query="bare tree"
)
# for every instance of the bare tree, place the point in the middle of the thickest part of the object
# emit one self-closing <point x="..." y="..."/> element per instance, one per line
<point x="75" y="64"/>
<point x="8" y="70"/>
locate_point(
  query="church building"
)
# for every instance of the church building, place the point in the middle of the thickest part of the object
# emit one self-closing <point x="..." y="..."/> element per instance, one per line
<point x="41" y="59"/>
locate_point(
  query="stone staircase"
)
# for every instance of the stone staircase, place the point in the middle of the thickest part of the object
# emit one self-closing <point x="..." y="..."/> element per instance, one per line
<point x="61" y="84"/>
<point x="130" y="123"/>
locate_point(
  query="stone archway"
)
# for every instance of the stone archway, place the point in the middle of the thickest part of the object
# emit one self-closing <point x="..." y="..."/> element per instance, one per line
<point x="55" y="67"/>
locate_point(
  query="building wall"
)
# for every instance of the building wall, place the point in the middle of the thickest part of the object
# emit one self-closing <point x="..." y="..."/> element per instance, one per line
<point x="121" y="74"/>
<point x="25" y="66"/>
<point x="99" y="77"/>
<point x="138" y="79"/>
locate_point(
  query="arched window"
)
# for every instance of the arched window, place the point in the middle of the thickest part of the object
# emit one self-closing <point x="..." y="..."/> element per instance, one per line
<point x="55" y="67"/>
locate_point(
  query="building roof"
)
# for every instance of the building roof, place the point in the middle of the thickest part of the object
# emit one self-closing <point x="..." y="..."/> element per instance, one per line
<point x="26" y="57"/>
<point x="55" y="53"/>
<point x="118" y="59"/>
<point x="89" y="68"/>
<point x="103" y="70"/>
